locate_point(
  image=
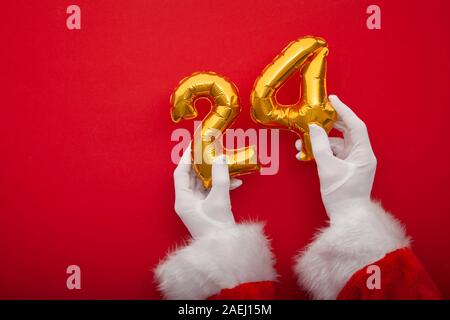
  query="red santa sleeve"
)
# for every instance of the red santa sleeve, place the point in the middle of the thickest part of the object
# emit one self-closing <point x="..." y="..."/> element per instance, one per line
<point x="363" y="254"/>
<point x="233" y="263"/>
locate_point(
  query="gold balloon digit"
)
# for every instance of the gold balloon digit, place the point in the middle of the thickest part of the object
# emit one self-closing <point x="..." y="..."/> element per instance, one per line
<point x="308" y="55"/>
<point x="224" y="97"/>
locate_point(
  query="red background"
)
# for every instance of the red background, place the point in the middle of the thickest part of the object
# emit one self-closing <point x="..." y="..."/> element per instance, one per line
<point x="85" y="170"/>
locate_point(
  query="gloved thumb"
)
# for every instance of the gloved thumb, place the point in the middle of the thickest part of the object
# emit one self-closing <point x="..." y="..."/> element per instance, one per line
<point x="220" y="178"/>
<point x="320" y="144"/>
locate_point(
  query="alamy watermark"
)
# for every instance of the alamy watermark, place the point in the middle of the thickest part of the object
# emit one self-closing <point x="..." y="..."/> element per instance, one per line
<point x="265" y="141"/>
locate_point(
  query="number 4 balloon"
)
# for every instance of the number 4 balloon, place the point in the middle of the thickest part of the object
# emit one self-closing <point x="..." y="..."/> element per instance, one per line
<point x="308" y="55"/>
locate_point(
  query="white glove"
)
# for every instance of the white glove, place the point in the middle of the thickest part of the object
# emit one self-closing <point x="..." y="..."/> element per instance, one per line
<point x="346" y="166"/>
<point x="203" y="211"/>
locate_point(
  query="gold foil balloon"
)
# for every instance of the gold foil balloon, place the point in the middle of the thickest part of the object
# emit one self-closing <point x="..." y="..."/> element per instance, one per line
<point x="225" y="107"/>
<point x="308" y="55"/>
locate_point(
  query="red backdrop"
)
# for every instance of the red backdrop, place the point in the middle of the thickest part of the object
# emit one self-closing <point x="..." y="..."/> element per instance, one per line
<point x="85" y="170"/>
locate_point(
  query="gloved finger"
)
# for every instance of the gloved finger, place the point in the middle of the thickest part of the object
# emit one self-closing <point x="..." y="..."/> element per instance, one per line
<point x="192" y="180"/>
<point x="197" y="188"/>
<point x="337" y="145"/>
<point x="320" y="144"/>
<point x="349" y="121"/>
<point x="340" y="126"/>
<point x="182" y="173"/>
<point x="235" y="183"/>
<point x="348" y="117"/>
<point x="298" y="144"/>
<point x="220" y="179"/>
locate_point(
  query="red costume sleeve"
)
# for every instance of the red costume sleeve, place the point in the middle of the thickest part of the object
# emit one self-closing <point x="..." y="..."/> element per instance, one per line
<point x="402" y="276"/>
<point x="263" y="290"/>
<point x="361" y="242"/>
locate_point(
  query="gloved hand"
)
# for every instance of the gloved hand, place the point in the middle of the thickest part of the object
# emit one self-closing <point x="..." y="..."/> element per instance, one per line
<point x="346" y="166"/>
<point x="203" y="211"/>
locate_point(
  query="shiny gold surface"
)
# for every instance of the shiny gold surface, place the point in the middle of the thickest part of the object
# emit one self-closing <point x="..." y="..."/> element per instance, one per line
<point x="225" y="107"/>
<point x="308" y="55"/>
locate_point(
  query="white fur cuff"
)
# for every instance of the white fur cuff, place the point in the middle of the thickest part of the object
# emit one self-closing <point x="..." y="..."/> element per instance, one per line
<point x="216" y="261"/>
<point x="354" y="239"/>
